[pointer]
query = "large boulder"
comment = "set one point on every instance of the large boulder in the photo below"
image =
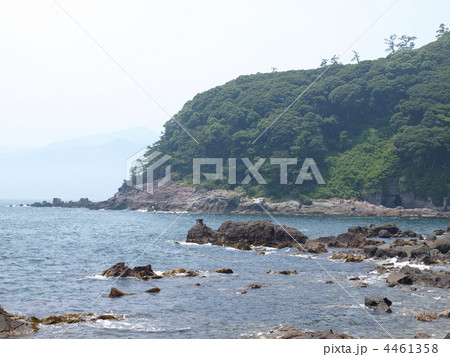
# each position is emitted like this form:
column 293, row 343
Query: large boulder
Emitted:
column 378, row 303
column 426, row 316
column 441, row 244
column 242, row 234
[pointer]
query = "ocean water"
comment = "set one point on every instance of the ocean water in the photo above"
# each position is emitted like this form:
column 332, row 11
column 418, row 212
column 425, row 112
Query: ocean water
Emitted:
column 51, row 259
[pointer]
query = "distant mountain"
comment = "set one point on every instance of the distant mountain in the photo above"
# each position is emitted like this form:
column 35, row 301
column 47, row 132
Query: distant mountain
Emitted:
column 92, row 166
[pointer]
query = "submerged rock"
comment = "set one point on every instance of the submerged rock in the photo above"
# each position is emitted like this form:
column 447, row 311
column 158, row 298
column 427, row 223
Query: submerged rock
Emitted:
column 421, row 335
column 153, row 290
column 224, row 271
column 282, row 272
column 67, row 318
column 114, row 293
column 253, row 286
column 378, row 303
column 291, row 332
column 445, row 313
column 241, row 235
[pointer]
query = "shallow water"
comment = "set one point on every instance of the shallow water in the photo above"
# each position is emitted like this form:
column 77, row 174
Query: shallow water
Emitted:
column 51, row 258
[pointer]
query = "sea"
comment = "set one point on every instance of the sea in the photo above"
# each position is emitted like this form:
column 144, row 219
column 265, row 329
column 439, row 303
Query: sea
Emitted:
column 52, row 259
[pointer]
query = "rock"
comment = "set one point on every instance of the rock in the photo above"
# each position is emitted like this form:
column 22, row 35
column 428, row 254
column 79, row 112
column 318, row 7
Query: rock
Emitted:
column 175, row 272
column 260, row 232
column 242, row 292
column 447, row 336
column 253, row 286
column 349, row 257
column 441, row 244
column 409, row 233
column 421, row 335
column 426, row 277
column 378, row 303
column 261, row 253
column 153, row 290
column 312, row 246
column 398, row 278
column 224, row 271
column 122, row 271
column 384, row 234
column 430, row 237
column 438, row 232
column 114, row 293
column 445, row 313
column 282, row 272
column 13, row 326
column 67, row 318
column 329, row 282
column 242, row 246
column 198, row 284
column 390, row 227
column 290, row 332
column 426, row 316
column 331, row 241
column 106, row 317
column 361, row 285
column 354, row 278
column 357, row 242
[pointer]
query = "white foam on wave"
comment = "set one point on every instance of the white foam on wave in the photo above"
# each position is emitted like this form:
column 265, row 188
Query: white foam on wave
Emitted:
column 140, row 325
column 195, row 244
column 93, row 277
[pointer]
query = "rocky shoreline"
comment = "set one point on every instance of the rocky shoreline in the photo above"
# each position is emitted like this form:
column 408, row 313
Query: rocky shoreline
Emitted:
column 354, row 246
column 181, row 198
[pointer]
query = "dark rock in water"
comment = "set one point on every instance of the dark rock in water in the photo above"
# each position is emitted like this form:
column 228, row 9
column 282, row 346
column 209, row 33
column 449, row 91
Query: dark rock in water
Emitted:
column 282, row 272
column 329, row 282
column 224, row 271
column 384, row 234
column 114, row 293
column 11, row 325
column 409, row 233
column 121, row 270
column 445, row 313
column 438, row 232
column 447, row 336
column 426, row 316
column 67, row 318
column 398, row 278
column 312, row 246
column 390, row 227
column 442, row 245
column 422, row 335
column 361, row 285
column 291, row 332
column 153, row 290
column 244, row 234
column 426, row 277
column 253, row 286
column 378, row 303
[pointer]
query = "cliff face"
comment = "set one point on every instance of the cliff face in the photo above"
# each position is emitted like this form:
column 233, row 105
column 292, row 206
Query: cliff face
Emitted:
column 391, row 196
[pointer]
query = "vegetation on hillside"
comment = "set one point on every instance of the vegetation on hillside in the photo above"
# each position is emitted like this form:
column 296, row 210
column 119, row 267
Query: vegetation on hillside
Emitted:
column 362, row 123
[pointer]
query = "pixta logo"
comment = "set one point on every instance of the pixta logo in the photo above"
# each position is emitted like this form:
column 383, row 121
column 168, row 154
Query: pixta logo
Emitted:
column 140, row 165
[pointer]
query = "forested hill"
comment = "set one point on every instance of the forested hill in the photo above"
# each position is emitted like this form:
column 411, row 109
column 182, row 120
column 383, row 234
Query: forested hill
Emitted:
column 378, row 129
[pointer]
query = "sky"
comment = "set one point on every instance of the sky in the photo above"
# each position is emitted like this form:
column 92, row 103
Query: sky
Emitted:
column 74, row 68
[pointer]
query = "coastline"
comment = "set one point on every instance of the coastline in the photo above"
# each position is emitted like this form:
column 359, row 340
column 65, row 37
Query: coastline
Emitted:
column 175, row 197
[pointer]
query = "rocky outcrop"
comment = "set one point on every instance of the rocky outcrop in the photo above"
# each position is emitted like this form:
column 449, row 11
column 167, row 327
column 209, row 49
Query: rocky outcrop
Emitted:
column 13, row 326
column 378, row 303
column 224, row 271
column 408, row 275
column 256, row 233
column 291, row 332
column 122, row 271
column 178, row 197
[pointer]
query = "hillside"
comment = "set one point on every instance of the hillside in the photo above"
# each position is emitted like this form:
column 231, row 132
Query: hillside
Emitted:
column 378, row 130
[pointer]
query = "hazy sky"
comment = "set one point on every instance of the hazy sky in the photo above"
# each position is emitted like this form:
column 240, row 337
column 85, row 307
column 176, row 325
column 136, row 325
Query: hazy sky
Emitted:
column 56, row 83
